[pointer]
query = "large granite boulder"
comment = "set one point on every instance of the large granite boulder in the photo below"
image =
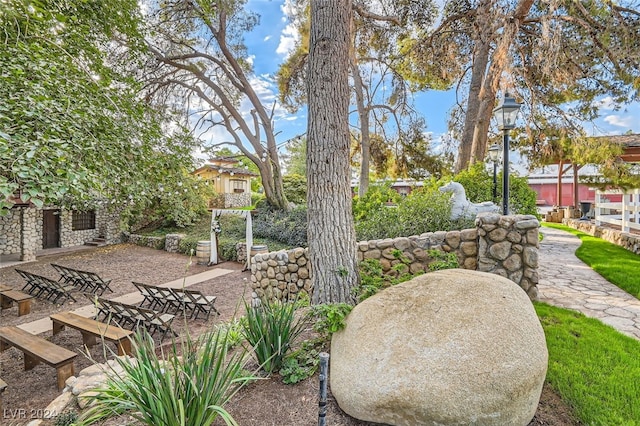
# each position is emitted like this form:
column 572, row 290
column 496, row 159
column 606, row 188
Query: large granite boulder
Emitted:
column 453, row 347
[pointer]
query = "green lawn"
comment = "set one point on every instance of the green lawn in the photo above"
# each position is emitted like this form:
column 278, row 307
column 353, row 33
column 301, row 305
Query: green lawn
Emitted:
column 616, row 264
column 594, row 368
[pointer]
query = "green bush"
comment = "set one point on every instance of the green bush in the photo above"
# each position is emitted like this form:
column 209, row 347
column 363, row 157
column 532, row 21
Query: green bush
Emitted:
column 270, row 329
column 375, row 198
column 424, row 210
column 189, row 387
column 330, row 318
column 295, row 188
column 478, row 184
column 289, row 227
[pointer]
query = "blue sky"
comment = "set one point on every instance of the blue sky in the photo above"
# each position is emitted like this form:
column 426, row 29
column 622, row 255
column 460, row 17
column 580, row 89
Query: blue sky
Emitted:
column 270, row 41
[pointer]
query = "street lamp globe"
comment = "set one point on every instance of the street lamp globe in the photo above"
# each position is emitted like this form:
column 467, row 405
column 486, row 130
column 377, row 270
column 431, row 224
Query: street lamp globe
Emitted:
column 505, row 113
column 494, row 152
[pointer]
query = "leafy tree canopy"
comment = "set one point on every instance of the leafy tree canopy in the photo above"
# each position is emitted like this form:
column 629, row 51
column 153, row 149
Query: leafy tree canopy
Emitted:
column 72, row 129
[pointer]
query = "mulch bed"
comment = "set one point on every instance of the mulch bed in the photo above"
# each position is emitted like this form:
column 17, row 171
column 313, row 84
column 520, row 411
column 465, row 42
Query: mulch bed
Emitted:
column 265, row 402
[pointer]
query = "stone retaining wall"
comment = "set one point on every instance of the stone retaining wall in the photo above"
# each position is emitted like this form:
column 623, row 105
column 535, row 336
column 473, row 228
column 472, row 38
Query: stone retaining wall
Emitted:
column 504, row 245
column 172, row 242
column 626, row 240
column 158, row 243
column 508, row 246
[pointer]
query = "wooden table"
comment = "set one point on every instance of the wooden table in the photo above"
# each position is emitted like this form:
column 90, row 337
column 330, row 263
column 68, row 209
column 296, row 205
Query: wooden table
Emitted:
column 92, row 329
column 24, row 301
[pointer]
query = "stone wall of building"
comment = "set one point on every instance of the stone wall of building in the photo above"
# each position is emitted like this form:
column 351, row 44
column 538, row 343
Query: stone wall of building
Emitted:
column 504, row 245
column 10, row 232
column 508, row 246
column 626, row 240
column 233, row 200
column 29, row 231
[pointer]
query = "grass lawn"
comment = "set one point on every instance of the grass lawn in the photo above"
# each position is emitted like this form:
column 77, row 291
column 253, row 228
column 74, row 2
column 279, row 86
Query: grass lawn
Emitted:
column 594, row 368
column 616, row 264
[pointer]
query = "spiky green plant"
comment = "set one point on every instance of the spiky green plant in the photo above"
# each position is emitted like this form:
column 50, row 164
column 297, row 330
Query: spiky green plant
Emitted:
column 187, row 387
column 270, row 329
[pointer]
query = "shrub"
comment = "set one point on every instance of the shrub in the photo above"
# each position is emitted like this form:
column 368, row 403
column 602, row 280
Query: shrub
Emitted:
column 288, row 227
column 295, row 188
column 189, row 387
column 424, row 210
column 270, row 329
column 375, row 198
column 478, row 184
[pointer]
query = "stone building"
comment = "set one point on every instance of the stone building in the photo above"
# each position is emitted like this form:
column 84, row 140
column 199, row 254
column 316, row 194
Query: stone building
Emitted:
column 26, row 229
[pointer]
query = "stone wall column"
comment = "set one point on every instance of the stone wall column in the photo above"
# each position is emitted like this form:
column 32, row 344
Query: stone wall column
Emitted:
column 508, row 246
column 28, row 234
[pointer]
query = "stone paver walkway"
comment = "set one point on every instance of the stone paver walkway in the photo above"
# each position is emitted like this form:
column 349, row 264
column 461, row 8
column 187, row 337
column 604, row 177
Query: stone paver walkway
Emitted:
column 567, row 282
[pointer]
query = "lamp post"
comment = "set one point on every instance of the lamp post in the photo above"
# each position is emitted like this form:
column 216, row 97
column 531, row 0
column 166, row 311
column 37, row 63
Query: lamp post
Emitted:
column 494, row 150
column 505, row 114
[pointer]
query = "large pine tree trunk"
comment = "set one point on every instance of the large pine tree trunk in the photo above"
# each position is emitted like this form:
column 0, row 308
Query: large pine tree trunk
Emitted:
column 481, row 50
column 331, row 235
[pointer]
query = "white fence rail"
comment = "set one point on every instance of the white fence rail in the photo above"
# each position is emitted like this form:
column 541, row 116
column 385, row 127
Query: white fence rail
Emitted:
column 625, row 214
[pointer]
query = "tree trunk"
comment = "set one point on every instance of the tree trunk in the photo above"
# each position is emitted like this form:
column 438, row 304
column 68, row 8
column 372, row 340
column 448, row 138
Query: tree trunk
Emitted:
column 365, row 139
column 481, row 50
column 331, row 235
column 486, row 103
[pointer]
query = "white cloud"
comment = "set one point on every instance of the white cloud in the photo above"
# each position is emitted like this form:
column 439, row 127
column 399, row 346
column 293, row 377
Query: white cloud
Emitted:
column 619, row 121
column 288, row 39
column 251, row 59
column 606, row 104
column 267, row 38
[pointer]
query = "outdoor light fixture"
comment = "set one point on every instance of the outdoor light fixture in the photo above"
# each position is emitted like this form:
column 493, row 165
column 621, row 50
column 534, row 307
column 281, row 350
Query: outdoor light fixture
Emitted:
column 505, row 114
column 494, row 151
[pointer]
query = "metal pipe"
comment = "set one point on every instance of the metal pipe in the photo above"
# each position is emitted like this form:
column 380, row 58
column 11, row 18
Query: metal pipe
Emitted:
column 324, row 376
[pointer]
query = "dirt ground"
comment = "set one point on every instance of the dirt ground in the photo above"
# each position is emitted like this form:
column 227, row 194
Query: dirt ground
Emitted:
column 265, row 402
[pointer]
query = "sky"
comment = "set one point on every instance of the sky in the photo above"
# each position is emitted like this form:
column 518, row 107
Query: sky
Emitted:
column 271, row 41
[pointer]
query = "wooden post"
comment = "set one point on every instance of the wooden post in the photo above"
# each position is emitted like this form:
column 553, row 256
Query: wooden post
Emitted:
column 559, row 187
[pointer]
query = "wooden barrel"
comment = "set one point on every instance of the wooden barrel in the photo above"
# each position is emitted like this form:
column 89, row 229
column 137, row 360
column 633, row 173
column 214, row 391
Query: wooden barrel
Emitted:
column 203, row 252
column 261, row 249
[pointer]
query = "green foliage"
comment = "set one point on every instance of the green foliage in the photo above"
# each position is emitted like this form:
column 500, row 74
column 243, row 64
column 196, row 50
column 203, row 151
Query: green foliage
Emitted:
column 73, row 130
column 297, row 163
column 270, row 329
column 442, row 260
column 594, row 368
column 295, row 188
column 300, row 364
column 68, row 418
column 424, row 210
column 188, row 386
column 478, row 185
column 616, row 264
column 375, row 198
column 330, row 318
column 289, row 227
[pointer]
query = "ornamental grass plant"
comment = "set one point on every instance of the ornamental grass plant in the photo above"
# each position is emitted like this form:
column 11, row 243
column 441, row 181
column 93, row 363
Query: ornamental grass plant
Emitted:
column 270, row 329
column 188, row 386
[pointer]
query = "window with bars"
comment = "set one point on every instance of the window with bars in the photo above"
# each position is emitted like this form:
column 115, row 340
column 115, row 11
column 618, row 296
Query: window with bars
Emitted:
column 238, row 185
column 83, row 220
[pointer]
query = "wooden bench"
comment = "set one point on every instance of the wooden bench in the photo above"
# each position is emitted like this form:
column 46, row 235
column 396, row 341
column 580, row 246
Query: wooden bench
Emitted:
column 36, row 350
column 23, row 300
column 91, row 329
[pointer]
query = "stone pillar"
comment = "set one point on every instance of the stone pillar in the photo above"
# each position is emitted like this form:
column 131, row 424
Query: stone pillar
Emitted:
column 112, row 231
column 508, row 246
column 28, row 234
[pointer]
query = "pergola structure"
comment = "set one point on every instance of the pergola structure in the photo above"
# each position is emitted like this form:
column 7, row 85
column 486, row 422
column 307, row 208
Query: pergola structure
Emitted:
column 631, row 154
